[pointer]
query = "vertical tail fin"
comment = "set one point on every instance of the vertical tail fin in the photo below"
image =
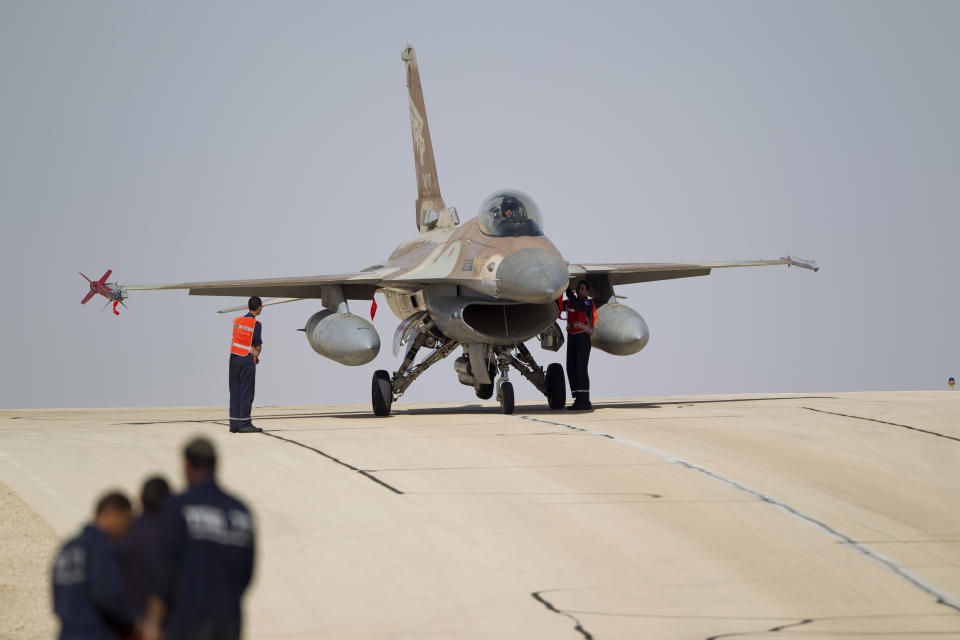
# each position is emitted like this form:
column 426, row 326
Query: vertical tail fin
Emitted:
column 428, row 187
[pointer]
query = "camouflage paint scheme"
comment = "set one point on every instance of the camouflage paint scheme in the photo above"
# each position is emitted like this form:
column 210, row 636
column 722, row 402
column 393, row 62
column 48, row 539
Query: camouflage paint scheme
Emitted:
column 425, row 258
column 454, row 285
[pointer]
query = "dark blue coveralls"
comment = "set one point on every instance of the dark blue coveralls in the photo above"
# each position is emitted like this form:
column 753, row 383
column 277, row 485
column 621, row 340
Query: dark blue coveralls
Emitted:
column 87, row 589
column 138, row 560
column 578, row 355
column 206, row 562
column 243, row 375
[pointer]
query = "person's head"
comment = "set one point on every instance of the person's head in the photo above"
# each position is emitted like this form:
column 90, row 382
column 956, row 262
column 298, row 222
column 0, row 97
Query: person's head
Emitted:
column 255, row 305
column 510, row 207
column 583, row 289
column 200, row 460
column 114, row 514
column 155, row 491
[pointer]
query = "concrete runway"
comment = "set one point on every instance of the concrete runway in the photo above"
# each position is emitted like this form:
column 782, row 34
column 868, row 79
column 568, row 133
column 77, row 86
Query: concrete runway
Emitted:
column 823, row 515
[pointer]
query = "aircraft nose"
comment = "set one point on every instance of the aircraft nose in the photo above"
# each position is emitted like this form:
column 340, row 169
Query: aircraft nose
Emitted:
column 532, row 275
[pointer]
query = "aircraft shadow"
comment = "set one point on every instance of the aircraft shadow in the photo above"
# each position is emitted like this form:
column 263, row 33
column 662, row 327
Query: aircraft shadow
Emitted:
column 479, row 409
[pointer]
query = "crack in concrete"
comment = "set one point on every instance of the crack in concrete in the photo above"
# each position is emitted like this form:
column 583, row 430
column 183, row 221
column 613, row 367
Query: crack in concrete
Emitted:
column 538, row 596
column 770, row 630
column 892, row 424
column 365, row 474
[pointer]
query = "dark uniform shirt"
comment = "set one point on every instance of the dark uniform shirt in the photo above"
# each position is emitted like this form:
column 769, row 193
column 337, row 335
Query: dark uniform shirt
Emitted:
column 257, row 328
column 580, row 305
column 87, row 589
column 578, row 352
column 138, row 560
column 206, row 557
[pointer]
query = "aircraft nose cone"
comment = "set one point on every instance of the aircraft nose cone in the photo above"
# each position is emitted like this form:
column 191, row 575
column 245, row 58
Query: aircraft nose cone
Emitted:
column 532, row 275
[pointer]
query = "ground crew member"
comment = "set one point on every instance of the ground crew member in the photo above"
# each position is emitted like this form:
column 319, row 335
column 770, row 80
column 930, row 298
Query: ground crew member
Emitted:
column 139, row 548
column 581, row 319
column 244, row 356
column 87, row 588
column 206, row 557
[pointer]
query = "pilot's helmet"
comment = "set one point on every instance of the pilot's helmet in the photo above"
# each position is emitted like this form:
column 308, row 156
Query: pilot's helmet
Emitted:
column 512, row 205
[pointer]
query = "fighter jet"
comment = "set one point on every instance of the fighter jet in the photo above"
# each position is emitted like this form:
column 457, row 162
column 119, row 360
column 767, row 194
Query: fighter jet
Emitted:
column 485, row 287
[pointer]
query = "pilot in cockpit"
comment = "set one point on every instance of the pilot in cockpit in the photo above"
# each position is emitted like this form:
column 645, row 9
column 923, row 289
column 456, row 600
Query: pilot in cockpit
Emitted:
column 512, row 209
column 508, row 215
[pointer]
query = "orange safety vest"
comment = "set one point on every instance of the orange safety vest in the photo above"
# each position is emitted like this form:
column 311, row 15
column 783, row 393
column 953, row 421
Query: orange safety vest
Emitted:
column 578, row 321
column 243, row 336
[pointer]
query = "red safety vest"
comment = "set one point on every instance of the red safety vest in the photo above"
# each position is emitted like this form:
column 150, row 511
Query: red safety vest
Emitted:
column 243, row 336
column 578, row 321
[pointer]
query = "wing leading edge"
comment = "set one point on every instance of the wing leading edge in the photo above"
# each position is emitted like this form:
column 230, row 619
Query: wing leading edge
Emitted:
column 360, row 285
column 634, row 272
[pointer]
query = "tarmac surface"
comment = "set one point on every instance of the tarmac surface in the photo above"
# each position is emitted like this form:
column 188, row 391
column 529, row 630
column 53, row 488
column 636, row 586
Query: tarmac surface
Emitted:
column 820, row 515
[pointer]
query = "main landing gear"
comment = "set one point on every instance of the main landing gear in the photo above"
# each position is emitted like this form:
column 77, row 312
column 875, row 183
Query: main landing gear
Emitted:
column 550, row 382
column 382, row 393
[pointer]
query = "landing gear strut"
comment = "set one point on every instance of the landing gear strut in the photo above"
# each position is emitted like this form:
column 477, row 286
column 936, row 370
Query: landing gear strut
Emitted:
column 388, row 388
column 385, row 389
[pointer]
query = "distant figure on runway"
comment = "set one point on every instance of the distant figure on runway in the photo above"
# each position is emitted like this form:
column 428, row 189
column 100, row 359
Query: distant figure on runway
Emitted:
column 87, row 587
column 244, row 357
column 206, row 557
column 581, row 318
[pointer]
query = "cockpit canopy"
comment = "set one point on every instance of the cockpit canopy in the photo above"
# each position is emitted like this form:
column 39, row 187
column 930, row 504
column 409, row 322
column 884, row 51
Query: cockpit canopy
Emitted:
column 510, row 213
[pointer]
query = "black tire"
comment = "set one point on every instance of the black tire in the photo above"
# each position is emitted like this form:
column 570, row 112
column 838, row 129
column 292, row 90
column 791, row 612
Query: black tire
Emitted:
column 485, row 391
column 556, row 387
column 506, row 398
column 382, row 393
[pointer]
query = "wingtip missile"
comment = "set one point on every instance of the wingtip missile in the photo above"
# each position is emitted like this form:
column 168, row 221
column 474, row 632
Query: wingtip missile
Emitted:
column 110, row 290
column 793, row 261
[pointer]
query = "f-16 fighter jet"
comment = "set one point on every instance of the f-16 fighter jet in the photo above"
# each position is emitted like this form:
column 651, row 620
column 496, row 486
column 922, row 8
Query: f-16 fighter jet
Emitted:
column 484, row 286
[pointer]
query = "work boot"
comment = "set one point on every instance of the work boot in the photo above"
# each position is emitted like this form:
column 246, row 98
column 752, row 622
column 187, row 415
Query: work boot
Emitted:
column 248, row 428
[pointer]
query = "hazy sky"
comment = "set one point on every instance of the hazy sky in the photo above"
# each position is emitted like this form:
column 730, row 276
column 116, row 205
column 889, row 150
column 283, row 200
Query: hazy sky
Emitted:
column 183, row 141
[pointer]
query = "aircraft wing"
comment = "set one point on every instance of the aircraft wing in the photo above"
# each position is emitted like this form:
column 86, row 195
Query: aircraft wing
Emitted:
column 360, row 285
column 268, row 302
column 632, row 272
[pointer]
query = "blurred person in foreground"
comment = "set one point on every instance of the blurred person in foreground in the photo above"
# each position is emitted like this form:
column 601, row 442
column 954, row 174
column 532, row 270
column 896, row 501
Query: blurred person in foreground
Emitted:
column 206, row 557
column 88, row 592
column 139, row 548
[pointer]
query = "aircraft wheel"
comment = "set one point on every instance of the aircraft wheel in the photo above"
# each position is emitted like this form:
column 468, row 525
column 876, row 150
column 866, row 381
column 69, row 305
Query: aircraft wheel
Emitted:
column 506, row 398
column 556, row 387
column 382, row 393
column 485, row 391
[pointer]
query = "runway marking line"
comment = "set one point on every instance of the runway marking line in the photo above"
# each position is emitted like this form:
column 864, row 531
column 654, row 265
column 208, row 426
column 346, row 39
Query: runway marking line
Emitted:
column 941, row 596
column 40, row 482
